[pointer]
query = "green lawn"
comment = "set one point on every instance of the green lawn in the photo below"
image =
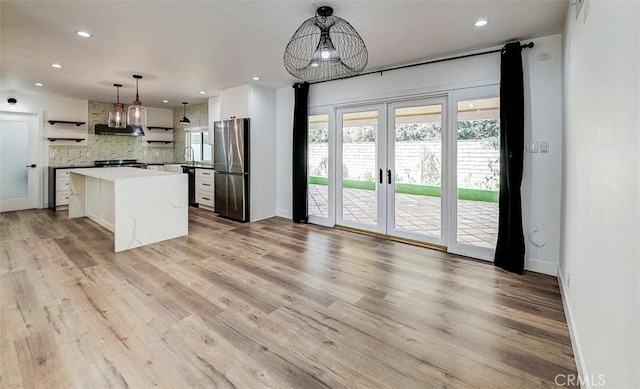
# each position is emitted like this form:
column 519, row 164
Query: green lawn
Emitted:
column 489, row 196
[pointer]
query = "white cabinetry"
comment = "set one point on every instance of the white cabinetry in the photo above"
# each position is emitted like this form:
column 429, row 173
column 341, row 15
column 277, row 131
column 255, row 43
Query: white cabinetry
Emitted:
column 62, row 187
column 262, row 152
column 205, row 188
column 236, row 102
column 214, row 115
column 258, row 103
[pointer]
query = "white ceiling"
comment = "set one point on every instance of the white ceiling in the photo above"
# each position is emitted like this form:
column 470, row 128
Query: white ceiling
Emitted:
column 182, row 47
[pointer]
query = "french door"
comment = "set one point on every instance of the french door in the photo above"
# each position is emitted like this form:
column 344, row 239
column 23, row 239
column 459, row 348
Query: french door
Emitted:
column 424, row 169
column 19, row 176
column 389, row 169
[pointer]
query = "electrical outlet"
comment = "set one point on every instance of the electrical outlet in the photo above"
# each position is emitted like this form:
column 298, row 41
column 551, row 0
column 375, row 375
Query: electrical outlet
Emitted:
column 157, row 153
column 531, row 147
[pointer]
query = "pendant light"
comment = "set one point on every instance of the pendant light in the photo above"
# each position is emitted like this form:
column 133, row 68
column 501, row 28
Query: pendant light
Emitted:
column 325, row 47
column 136, row 113
column 185, row 120
column 117, row 117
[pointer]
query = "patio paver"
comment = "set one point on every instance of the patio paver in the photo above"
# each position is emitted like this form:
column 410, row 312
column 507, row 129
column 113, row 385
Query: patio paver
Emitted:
column 477, row 220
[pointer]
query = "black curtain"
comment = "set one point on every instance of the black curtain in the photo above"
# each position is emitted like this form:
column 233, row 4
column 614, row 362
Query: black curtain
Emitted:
column 510, row 246
column 300, row 160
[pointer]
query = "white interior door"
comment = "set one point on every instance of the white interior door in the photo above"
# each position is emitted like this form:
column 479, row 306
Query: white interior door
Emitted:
column 19, row 173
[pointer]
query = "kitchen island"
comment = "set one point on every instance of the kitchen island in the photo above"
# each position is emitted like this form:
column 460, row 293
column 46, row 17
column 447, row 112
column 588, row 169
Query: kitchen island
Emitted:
column 139, row 206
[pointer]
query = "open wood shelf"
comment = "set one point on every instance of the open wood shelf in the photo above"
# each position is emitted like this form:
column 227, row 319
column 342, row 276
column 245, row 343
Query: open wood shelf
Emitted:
column 159, row 128
column 75, row 139
column 78, row 124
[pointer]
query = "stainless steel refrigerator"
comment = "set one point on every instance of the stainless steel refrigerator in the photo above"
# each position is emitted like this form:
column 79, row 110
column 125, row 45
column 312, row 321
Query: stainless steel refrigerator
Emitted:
column 231, row 164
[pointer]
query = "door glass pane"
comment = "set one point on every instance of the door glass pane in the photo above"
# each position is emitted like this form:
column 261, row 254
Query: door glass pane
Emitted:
column 14, row 144
column 418, row 169
column 318, row 165
column 478, row 175
column 359, row 191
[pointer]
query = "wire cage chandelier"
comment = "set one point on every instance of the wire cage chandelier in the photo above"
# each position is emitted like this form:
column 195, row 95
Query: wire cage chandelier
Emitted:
column 325, row 47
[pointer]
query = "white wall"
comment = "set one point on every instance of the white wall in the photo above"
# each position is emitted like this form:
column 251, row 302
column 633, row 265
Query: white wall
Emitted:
column 600, row 255
column 284, row 155
column 50, row 107
column 542, row 175
column 53, row 107
column 542, row 178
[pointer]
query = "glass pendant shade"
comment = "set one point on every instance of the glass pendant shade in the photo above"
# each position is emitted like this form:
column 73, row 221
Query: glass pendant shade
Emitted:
column 325, row 47
column 137, row 113
column 117, row 116
column 185, row 120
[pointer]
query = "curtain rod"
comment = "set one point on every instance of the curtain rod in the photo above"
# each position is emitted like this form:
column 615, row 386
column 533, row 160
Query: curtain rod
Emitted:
column 525, row 46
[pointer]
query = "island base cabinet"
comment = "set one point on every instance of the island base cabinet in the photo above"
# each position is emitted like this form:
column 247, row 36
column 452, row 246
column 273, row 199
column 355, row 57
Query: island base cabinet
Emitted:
column 138, row 208
column 101, row 202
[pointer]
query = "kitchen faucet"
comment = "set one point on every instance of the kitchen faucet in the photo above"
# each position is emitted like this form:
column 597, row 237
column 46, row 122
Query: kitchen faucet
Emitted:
column 188, row 154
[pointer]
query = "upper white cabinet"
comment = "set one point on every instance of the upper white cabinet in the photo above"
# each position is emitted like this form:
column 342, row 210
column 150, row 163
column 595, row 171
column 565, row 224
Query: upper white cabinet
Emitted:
column 236, row 102
column 214, row 115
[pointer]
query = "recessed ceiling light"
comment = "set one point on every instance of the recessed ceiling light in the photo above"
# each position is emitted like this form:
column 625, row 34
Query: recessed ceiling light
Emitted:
column 38, row 84
column 256, row 78
column 203, row 92
column 481, row 22
column 56, row 65
column 83, row 34
column 165, row 101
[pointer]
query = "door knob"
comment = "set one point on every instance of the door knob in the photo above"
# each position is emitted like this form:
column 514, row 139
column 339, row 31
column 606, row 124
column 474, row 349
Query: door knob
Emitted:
column 32, row 165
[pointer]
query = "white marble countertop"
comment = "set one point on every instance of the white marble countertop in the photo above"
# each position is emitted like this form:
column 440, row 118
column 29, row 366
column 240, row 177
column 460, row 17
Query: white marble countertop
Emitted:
column 120, row 173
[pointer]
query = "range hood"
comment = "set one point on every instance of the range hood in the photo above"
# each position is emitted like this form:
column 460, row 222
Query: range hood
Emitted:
column 103, row 129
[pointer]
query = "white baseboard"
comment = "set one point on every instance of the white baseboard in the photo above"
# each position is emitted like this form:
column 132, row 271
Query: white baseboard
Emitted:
column 285, row 214
column 575, row 342
column 539, row 266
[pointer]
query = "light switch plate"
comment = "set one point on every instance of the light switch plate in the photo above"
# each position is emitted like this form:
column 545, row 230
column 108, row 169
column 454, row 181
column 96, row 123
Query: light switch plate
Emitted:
column 544, row 146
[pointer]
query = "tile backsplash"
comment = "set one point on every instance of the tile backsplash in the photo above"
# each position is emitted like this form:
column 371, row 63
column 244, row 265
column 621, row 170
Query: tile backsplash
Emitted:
column 107, row 146
column 198, row 114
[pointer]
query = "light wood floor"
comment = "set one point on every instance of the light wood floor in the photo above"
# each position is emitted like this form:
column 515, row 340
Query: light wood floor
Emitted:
column 267, row 304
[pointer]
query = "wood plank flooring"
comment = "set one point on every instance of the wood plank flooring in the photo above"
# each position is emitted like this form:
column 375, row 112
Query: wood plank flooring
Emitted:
column 266, row 304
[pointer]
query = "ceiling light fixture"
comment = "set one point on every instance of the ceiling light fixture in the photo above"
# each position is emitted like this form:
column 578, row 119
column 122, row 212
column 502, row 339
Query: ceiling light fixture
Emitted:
column 165, row 101
column 83, row 34
column 56, row 65
column 38, row 84
column 202, row 92
column 185, row 120
column 325, row 47
column 481, row 23
column 137, row 113
column 256, row 78
column 117, row 118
